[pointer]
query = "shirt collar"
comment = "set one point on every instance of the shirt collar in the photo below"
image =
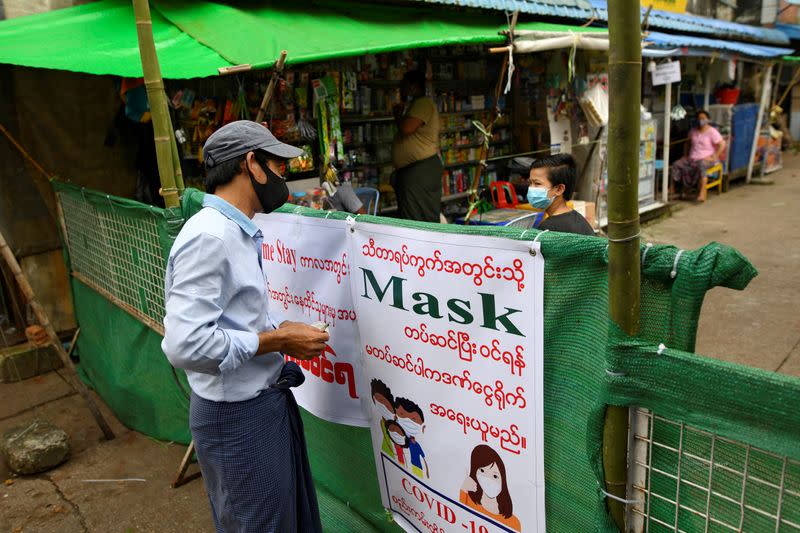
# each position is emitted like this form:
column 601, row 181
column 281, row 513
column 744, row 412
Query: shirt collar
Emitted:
column 215, row 202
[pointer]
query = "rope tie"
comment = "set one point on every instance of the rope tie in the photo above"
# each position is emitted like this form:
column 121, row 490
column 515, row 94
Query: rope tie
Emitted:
column 511, row 69
column 646, row 249
column 487, row 139
column 626, row 239
column 572, row 53
column 674, row 272
column 621, row 500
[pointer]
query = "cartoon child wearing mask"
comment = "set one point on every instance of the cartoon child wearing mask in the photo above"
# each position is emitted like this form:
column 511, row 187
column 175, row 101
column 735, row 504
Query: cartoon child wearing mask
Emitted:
column 384, row 408
column 485, row 489
column 412, row 420
column 398, row 437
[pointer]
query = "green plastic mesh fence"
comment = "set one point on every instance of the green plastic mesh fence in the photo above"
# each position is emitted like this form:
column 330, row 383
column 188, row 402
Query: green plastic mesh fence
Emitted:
column 588, row 364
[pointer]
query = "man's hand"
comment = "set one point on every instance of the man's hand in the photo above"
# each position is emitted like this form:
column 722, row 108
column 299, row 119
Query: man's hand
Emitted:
column 295, row 340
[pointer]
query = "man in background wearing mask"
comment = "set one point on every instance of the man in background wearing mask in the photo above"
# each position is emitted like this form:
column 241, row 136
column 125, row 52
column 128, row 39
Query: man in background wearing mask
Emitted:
column 705, row 149
column 219, row 328
column 551, row 184
column 417, row 180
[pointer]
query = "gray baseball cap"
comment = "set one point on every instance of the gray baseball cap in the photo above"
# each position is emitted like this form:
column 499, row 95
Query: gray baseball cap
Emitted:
column 240, row 137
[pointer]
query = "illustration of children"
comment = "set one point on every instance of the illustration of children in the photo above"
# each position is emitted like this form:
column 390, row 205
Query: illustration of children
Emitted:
column 485, row 489
column 384, row 408
column 399, row 440
column 412, row 420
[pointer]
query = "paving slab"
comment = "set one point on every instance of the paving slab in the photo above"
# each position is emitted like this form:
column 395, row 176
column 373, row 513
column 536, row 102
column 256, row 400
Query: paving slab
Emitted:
column 25, row 395
column 150, row 505
column 36, row 504
column 70, row 414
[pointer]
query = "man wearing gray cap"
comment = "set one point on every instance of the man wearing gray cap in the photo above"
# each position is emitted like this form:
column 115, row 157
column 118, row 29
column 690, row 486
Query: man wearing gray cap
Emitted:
column 220, row 329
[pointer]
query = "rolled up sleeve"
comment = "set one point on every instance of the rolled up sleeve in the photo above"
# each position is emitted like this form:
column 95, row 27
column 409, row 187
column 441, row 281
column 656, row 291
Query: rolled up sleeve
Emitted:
column 195, row 297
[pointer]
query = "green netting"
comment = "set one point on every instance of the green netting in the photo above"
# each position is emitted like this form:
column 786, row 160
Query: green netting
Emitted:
column 748, row 414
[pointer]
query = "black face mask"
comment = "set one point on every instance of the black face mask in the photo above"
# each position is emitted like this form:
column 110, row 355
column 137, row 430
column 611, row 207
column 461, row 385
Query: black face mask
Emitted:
column 272, row 194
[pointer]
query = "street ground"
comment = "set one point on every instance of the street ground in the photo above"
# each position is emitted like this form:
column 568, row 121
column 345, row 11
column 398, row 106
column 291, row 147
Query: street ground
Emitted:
column 759, row 326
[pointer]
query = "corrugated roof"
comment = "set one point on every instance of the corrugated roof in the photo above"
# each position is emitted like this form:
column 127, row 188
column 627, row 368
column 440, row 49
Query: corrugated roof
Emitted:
column 666, row 40
column 792, row 31
column 696, row 24
column 578, row 9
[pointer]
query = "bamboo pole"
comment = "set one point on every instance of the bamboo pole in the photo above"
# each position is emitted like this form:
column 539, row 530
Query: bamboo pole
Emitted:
column 176, row 160
column 162, row 125
column 763, row 103
column 776, row 87
column 667, row 140
column 624, row 73
column 473, row 199
column 273, row 81
column 43, row 186
column 44, row 321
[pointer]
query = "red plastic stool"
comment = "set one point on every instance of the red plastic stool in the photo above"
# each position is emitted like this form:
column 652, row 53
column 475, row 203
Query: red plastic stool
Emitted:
column 501, row 192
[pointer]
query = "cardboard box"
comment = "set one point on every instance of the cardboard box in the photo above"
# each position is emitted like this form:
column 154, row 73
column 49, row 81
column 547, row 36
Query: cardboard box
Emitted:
column 587, row 211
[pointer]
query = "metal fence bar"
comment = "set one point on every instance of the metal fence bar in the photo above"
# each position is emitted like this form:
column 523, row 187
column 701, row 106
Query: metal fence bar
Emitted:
column 678, row 487
column 780, row 494
column 660, row 444
column 117, row 255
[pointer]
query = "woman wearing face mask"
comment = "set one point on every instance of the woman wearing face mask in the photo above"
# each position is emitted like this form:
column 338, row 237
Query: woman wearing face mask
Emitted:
column 485, row 489
column 551, row 184
column 706, row 148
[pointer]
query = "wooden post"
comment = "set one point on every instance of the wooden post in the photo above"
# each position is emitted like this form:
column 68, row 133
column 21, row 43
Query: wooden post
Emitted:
column 157, row 98
column 624, row 98
column 765, row 82
column 667, row 140
column 777, row 86
column 273, row 81
column 44, row 321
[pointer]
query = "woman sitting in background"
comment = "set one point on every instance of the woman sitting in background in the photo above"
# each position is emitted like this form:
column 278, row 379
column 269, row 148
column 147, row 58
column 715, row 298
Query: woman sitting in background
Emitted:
column 706, row 149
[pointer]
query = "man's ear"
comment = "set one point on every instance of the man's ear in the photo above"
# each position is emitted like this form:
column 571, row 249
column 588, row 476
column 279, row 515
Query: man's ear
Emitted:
column 560, row 189
column 249, row 159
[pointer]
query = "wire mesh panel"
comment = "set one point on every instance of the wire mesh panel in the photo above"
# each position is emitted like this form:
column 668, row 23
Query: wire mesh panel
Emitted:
column 119, row 256
column 685, row 479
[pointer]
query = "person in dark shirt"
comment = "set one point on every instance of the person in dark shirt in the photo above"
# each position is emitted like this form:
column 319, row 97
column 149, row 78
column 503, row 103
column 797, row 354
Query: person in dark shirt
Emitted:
column 551, row 183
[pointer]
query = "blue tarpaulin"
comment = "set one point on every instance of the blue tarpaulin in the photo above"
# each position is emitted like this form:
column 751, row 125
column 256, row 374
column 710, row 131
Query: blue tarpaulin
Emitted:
column 700, row 46
column 681, row 22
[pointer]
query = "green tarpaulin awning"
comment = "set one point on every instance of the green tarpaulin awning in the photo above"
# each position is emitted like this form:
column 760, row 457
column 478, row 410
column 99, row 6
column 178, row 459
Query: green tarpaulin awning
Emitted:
column 194, row 39
column 100, row 38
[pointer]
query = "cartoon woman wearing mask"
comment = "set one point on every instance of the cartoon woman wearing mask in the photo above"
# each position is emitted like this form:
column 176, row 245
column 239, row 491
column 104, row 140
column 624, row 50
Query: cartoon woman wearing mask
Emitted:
column 485, row 489
column 384, row 408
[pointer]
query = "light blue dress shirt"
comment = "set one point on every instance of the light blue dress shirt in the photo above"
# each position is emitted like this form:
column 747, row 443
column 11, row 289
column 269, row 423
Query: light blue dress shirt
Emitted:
column 216, row 304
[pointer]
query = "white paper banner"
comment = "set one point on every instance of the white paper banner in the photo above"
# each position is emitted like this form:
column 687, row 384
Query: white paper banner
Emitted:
column 451, row 331
column 308, row 280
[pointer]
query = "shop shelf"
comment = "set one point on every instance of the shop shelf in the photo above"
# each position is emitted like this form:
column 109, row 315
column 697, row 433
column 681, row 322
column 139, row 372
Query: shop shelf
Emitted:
column 462, row 164
column 456, row 196
column 355, row 119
